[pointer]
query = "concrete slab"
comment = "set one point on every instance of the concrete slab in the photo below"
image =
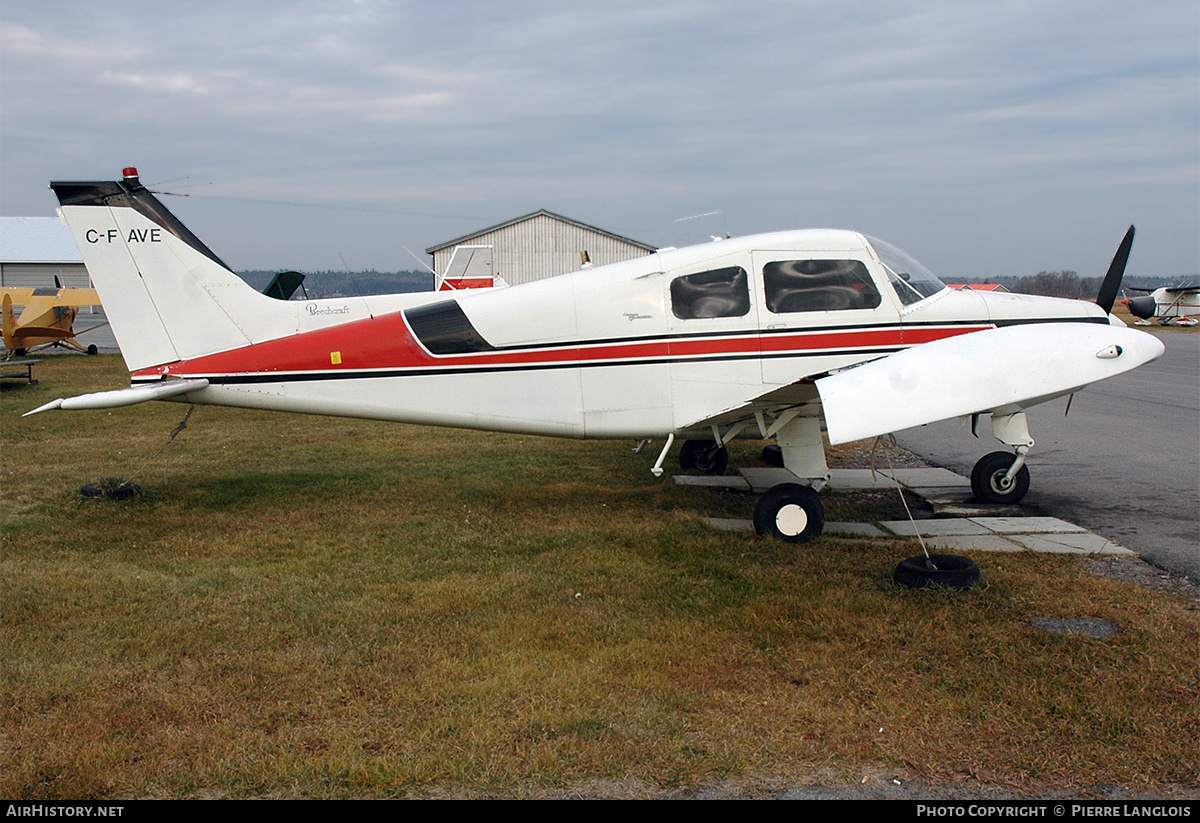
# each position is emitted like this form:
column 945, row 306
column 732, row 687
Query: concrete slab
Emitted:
column 855, row 529
column 712, row 481
column 932, row 481
column 972, row 543
column 972, row 509
column 929, row 528
column 961, row 523
column 762, row 479
column 1026, row 525
column 950, row 494
column 1074, row 543
column 859, row 479
column 926, row 478
column 728, row 524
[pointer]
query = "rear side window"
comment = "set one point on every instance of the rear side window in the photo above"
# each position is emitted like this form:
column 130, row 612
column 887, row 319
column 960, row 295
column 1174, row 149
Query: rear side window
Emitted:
column 716, row 293
column 818, row 285
column 444, row 329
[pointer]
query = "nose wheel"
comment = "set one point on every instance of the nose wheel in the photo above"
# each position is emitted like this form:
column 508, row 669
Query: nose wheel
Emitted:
column 790, row 512
column 991, row 483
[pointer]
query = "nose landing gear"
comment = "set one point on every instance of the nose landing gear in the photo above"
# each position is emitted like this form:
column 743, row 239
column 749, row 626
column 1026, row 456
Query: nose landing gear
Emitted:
column 991, row 482
column 1001, row 477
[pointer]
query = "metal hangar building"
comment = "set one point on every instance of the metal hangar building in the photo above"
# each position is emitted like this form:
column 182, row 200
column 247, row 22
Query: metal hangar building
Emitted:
column 33, row 250
column 540, row 245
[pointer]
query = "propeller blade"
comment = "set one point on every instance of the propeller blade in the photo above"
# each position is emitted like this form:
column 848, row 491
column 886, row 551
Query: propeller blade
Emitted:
column 1112, row 280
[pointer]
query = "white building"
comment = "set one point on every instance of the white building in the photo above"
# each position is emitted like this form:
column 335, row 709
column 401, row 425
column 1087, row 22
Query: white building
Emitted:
column 33, row 250
column 540, row 245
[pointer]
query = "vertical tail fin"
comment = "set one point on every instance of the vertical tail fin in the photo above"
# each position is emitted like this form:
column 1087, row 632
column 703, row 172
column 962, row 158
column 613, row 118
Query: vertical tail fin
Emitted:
column 166, row 294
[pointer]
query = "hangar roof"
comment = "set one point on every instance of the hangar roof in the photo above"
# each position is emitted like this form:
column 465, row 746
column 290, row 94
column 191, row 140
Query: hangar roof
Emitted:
column 36, row 240
column 539, row 213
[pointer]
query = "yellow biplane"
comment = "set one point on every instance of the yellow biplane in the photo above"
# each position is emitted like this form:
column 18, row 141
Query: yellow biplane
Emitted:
column 47, row 318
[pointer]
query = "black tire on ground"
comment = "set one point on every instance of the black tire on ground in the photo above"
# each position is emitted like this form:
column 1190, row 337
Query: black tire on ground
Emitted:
column 988, row 473
column 703, row 456
column 92, row 349
column 790, row 512
column 122, row 492
column 951, row 570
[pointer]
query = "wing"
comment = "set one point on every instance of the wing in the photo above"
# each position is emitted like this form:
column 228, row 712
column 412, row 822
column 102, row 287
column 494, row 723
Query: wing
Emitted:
column 78, row 297
column 18, row 296
column 765, row 414
column 61, row 297
column 1000, row 370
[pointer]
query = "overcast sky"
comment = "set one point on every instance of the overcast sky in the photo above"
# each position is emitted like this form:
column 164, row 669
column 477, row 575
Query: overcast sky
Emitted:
column 986, row 139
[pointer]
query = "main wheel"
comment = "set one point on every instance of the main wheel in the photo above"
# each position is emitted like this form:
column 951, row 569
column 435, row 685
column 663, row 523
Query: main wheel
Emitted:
column 93, row 349
column 951, row 570
column 790, row 512
column 987, row 479
column 703, row 456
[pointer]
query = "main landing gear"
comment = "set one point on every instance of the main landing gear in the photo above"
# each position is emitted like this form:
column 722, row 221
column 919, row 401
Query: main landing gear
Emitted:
column 790, row 512
column 703, row 456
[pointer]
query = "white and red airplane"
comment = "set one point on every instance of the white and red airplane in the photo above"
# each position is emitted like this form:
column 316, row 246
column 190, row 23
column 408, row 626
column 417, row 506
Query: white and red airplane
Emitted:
column 1180, row 304
column 763, row 336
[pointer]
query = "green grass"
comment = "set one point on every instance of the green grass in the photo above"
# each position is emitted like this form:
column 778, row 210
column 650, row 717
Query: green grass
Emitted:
column 328, row 608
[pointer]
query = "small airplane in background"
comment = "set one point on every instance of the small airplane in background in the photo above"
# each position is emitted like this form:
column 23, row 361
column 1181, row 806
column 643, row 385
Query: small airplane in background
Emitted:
column 770, row 336
column 1178, row 304
column 470, row 267
column 48, row 317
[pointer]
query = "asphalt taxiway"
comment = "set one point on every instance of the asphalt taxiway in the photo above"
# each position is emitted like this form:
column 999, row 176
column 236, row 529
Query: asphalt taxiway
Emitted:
column 1124, row 464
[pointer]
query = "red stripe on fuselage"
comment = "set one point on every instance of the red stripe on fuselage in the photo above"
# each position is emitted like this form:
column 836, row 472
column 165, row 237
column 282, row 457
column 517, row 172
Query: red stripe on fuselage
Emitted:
column 385, row 343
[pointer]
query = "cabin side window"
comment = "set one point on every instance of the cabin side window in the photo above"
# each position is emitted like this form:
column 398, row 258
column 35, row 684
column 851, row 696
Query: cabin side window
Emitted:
column 818, row 285
column 717, row 293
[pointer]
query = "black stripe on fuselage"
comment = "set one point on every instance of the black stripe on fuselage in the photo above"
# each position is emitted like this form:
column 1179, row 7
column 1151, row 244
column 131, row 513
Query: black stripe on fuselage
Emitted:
column 289, row 377
column 799, row 330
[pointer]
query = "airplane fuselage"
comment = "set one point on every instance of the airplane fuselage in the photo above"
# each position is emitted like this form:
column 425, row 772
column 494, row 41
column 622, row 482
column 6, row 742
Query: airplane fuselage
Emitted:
column 635, row 349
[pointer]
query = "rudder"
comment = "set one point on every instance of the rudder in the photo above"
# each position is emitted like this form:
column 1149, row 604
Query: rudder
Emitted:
column 166, row 294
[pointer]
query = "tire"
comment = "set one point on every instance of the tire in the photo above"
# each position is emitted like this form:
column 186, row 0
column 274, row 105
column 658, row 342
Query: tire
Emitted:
column 950, row 570
column 987, row 474
column 791, row 513
column 124, row 491
column 772, row 455
column 93, row 349
column 703, row 456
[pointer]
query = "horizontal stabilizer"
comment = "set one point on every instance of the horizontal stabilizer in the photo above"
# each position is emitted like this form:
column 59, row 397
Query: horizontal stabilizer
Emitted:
column 1005, row 370
column 123, row 397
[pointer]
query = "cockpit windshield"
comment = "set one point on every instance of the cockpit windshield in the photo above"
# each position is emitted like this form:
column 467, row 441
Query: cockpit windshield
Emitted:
column 912, row 281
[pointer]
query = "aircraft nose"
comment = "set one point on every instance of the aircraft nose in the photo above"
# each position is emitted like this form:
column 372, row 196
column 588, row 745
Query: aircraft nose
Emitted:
column 1143, row 347
column 1143, row 307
